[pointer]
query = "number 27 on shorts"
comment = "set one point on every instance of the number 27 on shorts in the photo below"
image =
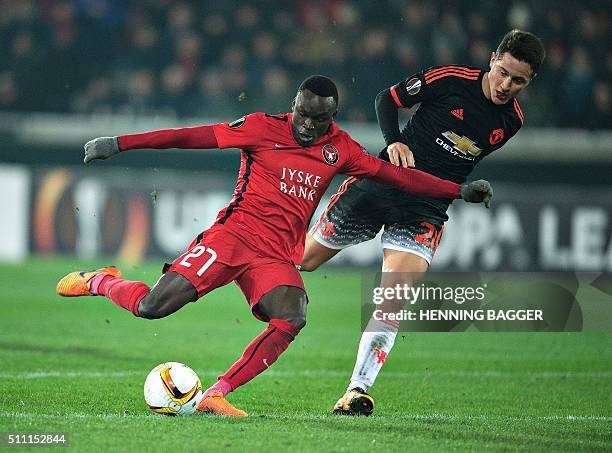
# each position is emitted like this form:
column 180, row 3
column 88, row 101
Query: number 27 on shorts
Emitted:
column 197, row 252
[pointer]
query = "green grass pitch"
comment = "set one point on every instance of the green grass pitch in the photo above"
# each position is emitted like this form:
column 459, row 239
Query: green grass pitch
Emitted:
column 78, row 365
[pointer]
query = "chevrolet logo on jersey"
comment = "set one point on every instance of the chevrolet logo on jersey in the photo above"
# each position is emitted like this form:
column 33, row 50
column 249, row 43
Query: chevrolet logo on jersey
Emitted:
column 461, row 144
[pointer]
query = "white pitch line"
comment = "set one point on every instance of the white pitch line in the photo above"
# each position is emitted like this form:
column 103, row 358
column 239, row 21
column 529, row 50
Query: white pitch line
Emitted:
column 42, row 374
column 417, row 417
column 489, row 418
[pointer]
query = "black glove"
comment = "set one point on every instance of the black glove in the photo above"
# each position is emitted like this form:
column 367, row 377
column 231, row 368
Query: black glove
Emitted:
column 477, row 192
column 101, row 148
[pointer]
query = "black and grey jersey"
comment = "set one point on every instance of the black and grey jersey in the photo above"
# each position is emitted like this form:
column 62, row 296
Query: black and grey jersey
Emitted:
column 454, row 127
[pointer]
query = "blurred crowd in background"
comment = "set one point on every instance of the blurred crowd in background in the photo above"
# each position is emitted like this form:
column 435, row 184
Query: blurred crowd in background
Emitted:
column 225, row 58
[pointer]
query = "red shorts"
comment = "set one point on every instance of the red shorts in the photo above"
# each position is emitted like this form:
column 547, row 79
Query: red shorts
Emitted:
column 219, row 257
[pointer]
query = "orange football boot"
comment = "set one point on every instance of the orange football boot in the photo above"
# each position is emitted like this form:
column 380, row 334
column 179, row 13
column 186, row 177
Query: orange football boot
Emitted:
column 355, row 402
column 78, row 283
column 215, row 403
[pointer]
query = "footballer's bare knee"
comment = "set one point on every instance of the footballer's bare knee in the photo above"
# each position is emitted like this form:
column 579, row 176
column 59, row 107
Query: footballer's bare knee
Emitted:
column 288, row 303
column 310, row 264
column 148, row 310
column 169, row 294
column 403, row 269
column 315, row 254
column 297, row 320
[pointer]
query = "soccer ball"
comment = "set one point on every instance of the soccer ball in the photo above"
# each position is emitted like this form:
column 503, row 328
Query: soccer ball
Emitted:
column 172, row 388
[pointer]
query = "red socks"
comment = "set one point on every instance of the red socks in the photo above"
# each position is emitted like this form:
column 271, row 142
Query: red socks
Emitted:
column 220, row 386
column 125, row 293
column 258, row 356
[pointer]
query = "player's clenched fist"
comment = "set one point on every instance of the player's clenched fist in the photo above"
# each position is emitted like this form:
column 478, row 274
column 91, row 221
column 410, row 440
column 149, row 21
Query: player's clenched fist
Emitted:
column 477, row 192
column 400, row 154
column 101, row 148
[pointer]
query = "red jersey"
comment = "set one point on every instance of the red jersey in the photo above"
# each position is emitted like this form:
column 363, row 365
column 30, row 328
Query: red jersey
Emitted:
column 280, row 182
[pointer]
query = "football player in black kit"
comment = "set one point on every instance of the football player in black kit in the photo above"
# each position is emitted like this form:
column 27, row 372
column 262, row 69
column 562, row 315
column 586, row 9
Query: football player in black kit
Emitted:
column 464, row 115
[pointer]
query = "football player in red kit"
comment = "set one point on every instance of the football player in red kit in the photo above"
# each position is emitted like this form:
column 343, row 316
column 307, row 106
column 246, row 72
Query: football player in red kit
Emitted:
column 287, row 163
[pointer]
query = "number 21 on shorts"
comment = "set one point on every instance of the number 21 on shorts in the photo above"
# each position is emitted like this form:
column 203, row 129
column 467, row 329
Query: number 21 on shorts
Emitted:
column 197, row 252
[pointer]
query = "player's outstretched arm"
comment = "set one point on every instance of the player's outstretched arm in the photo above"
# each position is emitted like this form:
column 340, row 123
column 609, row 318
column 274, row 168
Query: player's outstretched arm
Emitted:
column 421, row 183
column 197, row 137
